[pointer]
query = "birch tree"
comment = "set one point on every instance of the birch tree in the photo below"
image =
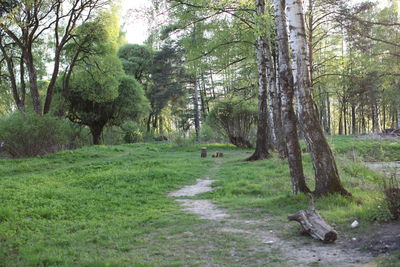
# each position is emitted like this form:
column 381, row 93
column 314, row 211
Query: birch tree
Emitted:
column 327, row 179
column 261, row 151
column 287, row 92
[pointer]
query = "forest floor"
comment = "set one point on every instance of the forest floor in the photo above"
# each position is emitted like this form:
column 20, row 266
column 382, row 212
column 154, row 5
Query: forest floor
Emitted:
column 155, row 204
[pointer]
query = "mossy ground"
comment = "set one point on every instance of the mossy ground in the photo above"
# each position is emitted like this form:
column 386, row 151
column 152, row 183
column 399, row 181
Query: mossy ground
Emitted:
column 108, row 205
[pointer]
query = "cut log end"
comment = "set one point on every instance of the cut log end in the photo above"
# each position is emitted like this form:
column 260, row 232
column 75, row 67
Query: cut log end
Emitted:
column 313, row 224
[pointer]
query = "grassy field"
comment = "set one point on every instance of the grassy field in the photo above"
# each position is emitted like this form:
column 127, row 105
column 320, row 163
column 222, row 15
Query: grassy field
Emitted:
column 108, row 206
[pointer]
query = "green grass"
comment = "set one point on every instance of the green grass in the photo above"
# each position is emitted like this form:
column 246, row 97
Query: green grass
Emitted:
column 108, row 206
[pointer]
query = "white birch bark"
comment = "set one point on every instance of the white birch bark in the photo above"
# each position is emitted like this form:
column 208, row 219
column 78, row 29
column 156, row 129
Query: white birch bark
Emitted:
column 326, row 173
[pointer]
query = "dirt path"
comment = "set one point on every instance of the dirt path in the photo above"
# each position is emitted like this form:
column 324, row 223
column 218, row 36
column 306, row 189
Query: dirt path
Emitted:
column 298, row 251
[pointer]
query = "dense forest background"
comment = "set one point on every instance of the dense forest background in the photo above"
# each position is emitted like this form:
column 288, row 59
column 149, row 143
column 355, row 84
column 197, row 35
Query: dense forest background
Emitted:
column 69, row 65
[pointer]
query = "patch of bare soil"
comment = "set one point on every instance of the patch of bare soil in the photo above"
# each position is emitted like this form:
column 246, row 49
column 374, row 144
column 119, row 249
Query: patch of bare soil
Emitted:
column 205, row 209
column 385, row 238
column 297, row 251
column 202, row 186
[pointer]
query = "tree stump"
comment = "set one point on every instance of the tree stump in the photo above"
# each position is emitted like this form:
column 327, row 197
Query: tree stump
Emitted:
column 313, row 224
column 203, row 152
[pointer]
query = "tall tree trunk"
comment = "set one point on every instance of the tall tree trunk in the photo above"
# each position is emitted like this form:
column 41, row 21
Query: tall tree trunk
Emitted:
column 261, row 151
column 383, row 125
column 52, row 83
column 96, row 131
column 398, row 119
column 328, row 103
column 393, row 119
column 353, row 120
column 345, row 118
column 326, row 173
column 149, row 122
column 363, row 124
column 375, row 118
column 323, row 111
column 33, row 85
column 340, row 126
column 287, row 93
column 196, row 108
column 275, row 96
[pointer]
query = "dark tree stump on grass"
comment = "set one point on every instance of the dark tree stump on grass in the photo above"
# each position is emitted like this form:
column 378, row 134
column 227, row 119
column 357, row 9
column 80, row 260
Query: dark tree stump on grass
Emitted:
column 313, row 224
column 203, row 153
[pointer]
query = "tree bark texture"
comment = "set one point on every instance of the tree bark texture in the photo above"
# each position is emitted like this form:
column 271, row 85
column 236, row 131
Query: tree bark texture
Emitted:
column 326, row 173
column 261, row 151
column 275, row 99
column 287, row 92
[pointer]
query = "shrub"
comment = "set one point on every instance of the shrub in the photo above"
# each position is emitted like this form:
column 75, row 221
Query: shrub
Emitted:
column 112, row 135
column 234, row 118
column 180, row 139
column 133, row 132
column 78, row 135
column 209, row 135
column 28, row 135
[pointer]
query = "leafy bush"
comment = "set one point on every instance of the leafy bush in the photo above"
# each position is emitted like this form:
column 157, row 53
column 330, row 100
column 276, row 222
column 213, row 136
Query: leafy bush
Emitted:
column 112, row 135
column 180, row 139
column 234, row 118
column 209, row 135
column 28, row 135
column 77, row 135
column 133, row 132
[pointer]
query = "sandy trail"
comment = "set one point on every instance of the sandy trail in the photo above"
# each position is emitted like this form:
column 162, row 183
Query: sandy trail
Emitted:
column 296, row 252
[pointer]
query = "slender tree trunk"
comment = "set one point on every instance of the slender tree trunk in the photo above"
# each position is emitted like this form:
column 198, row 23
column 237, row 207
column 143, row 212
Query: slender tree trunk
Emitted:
column 287, row 93
column 383, row 126
column 328, row 103
column 375, row 118
column 393, row 119
column 340, row 126
column 363, row 124
column 149, row 122
column 33, row 85
column 345, row 118
column 261, row 151
column 353, row 120
column 398, row 118
column 324, row 119
column 52, row 83
column 326, row 173
column 196, row 108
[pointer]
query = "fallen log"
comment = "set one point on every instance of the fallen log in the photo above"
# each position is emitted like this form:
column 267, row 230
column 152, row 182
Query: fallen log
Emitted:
column 313, row 224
